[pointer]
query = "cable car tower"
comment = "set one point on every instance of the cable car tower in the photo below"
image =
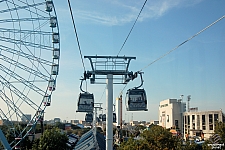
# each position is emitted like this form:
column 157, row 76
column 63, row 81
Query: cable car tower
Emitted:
column 109, row 66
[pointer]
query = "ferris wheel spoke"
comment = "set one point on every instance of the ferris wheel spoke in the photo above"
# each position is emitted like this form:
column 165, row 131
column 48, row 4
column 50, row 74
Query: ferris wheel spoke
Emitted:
column 29, row 63
column 17, row 92
column 22, row 80
column 25, row 68
column 25, row 55
column 21, row 7
column 25, row 43
column 26, row 32
column 12, row 106
column 24, row 20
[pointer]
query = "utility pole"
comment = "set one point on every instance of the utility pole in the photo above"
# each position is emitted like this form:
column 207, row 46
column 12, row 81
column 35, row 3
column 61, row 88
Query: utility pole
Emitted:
column 121, row 118
column 109, row 66
column 121, row 115
column 182, row 119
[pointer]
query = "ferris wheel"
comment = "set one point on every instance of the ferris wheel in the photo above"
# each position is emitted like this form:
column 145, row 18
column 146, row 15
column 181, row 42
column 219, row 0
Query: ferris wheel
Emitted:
column 29, row 64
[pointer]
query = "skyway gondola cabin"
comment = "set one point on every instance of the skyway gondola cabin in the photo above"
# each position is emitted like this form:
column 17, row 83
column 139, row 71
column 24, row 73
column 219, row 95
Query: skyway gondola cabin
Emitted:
column 114, row 117
column 136, row 100
column 89, row 117
column 85, row 102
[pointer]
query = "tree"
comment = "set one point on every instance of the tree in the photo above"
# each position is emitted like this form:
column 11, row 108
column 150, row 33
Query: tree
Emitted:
column 53, row 139
column 157, row 138
column 160, row 138
column 220, row 130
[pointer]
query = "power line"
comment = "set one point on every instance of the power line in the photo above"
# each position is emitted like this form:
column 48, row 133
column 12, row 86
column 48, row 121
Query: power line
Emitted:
column 132, row 27
column 184, row 42
column 181, row 44
column 78, row 43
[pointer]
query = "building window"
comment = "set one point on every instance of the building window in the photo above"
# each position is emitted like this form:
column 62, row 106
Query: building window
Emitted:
column 167, row 118
column 203, row 127
column 210, row 119
column 216, row 118
column 211, row 127
column 188, row 119
column 203, row 119
column 198, row 122
column 193, row 118
column 203, row 122
column 176, row 124
column 193, row 122
column 210, row 122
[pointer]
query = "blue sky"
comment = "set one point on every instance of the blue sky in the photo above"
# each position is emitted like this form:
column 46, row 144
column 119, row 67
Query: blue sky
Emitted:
column 196, row 68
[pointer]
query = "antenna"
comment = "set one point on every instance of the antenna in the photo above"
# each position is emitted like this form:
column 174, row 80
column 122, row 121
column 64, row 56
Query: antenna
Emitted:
column 188, row 99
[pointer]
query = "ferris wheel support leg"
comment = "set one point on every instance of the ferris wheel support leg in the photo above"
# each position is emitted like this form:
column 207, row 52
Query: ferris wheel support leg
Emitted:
column 4, row 141
column 109, row 112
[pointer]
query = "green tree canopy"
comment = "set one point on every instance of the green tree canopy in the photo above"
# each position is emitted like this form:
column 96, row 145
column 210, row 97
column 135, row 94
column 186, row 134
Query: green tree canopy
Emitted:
column 51, row 140
column 157, row 138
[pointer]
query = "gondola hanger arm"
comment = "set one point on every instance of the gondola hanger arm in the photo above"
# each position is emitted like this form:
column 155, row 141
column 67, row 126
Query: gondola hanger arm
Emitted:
column 135, row 76
column 81, row 85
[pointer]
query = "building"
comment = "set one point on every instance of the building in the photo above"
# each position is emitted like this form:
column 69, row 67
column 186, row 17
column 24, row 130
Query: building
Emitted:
column 26, row 118
column 75, row 122
column 170, row 113
column 201, row 123
column 155, row 122
column 57, row 120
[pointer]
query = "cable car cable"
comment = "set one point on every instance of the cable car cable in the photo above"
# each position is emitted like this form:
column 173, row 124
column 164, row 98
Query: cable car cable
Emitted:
column 184, row 42
column 181, row 44
column 74, row 26
column 132, row 28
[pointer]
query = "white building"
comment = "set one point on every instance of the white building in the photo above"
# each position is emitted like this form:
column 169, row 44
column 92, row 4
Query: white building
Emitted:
column 170, row 113
column 196, row 123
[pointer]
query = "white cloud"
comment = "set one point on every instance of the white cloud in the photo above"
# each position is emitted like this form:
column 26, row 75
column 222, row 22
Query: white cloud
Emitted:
column 119, row 13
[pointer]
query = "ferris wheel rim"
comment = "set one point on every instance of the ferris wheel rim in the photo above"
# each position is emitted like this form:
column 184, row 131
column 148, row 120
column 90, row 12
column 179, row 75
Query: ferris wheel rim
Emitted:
column 18, row 54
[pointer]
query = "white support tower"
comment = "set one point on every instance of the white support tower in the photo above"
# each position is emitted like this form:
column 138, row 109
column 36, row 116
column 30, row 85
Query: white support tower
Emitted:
column 109, row 66
column 118, row 111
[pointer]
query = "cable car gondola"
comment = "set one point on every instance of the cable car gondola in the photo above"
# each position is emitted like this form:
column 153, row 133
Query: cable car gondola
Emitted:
column 85, row 101
column 104, row 117
column 114, row 117
column 136, row 98
column 89, row 117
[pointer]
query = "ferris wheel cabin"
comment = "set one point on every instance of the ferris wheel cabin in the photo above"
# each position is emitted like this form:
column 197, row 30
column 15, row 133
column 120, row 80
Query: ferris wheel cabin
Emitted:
column 55, row 69
column 55, row 38
column 85, row 102
column 49, row 6
column 56, row 53
column 51, row 85
column 40, row 115
column 136, row 100
column 53, row 22
column 47, row 100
